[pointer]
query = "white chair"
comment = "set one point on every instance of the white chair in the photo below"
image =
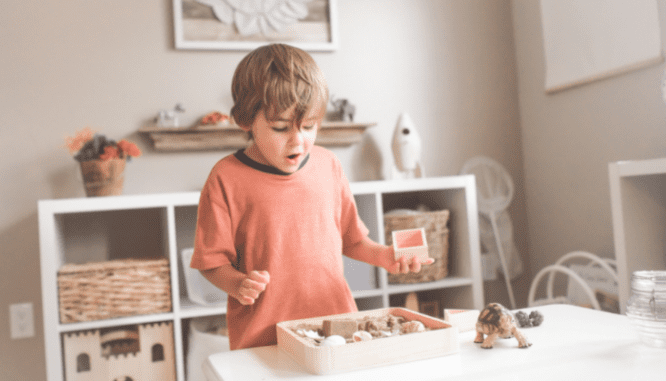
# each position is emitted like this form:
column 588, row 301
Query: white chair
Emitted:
column 560, row 267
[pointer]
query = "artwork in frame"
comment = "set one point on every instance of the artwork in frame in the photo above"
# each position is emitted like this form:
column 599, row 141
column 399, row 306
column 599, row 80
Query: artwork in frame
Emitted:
column 244, row 25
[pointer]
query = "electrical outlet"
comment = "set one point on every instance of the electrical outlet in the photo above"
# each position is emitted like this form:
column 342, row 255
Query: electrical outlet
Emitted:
column 21, row 321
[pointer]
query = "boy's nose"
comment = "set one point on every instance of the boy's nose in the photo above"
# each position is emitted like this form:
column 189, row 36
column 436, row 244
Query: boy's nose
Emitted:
column 297, row 136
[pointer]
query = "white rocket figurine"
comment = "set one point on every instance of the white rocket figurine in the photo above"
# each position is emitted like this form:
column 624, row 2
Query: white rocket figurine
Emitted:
column 407, row 149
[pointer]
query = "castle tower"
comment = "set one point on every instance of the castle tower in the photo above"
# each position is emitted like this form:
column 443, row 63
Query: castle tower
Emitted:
column 83, row 356
column 157, row 351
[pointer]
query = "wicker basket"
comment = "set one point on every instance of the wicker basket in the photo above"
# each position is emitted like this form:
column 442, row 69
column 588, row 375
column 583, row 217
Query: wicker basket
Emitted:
column 437, row 235
column 105, row 290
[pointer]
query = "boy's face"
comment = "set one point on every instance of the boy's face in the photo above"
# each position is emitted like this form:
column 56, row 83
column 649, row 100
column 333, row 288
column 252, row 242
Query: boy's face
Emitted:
column 282, row 143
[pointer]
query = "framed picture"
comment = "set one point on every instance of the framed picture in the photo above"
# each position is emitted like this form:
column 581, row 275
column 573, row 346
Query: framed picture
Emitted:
column 245, row 25
column 586, row 41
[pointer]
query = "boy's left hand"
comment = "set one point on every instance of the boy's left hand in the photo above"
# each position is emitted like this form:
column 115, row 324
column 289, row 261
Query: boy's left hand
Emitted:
column 404, row 265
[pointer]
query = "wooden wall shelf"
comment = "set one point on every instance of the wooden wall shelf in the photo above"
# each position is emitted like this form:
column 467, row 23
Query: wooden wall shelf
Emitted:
column 231, row 136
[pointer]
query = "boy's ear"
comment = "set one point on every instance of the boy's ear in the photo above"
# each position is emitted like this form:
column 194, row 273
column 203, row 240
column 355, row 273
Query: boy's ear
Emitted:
column 245, row 128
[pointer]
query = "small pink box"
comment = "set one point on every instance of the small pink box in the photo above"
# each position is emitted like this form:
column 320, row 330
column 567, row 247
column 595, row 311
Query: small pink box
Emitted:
column 410, row 243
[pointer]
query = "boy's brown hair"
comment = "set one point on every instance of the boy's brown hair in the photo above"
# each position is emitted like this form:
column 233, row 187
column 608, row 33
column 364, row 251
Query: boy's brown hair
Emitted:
column 273, row 78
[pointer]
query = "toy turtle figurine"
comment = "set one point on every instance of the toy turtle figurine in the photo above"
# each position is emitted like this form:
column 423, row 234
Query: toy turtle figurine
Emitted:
column 497, row 321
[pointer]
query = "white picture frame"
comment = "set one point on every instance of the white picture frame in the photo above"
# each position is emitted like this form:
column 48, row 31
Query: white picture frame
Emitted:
column 198, row 26
column 586, row 41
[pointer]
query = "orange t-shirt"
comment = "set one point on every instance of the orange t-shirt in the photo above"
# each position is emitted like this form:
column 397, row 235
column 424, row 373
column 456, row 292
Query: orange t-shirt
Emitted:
column 293, row 226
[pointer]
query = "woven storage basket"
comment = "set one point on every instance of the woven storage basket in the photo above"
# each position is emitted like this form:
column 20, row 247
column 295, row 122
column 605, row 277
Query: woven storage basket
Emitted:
column 105, row 290
column 437, row 235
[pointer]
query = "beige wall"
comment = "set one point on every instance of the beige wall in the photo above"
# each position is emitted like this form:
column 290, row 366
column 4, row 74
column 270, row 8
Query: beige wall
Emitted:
column 112, row 66
column 570, row 137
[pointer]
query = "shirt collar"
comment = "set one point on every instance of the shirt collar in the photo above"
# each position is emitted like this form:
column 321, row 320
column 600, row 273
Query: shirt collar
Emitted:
column 240, row 155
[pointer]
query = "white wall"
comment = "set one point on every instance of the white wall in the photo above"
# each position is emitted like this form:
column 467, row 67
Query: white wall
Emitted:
column 112, row 66
column 569, row 138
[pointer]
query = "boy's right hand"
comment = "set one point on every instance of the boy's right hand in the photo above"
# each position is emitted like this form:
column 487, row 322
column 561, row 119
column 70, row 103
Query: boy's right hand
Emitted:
column 252, row 286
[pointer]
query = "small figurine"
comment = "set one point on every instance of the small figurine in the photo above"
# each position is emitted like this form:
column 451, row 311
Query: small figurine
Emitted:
column 497, row 321
column 522, row 319
column 168, row 118
column 406, row 150
column 342, row 110
column 534, row 319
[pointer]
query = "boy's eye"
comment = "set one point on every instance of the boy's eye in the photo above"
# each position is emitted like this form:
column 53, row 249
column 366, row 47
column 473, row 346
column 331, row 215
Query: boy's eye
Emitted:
column 285, row 128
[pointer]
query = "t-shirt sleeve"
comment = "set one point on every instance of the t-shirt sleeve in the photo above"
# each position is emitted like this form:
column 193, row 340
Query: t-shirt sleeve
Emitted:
column 353, row 228
column 213, row 239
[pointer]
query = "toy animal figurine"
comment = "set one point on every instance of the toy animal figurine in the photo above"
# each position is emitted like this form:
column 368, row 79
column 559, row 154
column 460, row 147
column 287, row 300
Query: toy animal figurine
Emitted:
column 343, row 110
column 534, row 319
column 497, row 321
column 168, row 118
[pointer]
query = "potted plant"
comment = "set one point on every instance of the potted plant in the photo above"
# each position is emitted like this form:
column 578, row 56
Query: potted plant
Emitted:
column 102, row 161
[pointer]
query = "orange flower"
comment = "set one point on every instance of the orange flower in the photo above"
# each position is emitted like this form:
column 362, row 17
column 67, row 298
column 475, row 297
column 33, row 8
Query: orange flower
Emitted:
column 129, row 148
column 74, row 144
column 87, row 145
column 109, row 153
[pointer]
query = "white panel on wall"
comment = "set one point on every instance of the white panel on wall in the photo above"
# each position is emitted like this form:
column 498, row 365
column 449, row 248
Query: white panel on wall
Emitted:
column 593, row 39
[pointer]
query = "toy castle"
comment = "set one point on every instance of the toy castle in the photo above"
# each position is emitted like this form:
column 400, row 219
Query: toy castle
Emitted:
column 139, row 352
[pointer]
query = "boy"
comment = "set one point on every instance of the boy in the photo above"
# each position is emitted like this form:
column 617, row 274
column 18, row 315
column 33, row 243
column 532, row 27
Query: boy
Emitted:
column 275, row 217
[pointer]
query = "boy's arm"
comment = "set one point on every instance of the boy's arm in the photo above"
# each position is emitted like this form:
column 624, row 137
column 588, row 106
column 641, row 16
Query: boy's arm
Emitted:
column 378, row 255
column 245, row 288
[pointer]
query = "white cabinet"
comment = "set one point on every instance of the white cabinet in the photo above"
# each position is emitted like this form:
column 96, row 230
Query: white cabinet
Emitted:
column 638, row 205
column 162, row 225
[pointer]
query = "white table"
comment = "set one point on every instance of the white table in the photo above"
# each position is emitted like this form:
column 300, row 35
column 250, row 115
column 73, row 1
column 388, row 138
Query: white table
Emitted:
column 573, row 343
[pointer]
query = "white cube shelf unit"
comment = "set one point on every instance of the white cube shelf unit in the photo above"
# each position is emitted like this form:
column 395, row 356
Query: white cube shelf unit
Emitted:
column 162, row 225
column 638, row 206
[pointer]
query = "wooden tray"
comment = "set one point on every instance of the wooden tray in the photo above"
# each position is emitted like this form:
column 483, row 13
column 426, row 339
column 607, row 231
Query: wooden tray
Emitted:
column 440, row 341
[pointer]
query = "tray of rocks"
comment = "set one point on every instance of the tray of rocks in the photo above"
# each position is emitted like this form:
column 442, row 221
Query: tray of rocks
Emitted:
column 365, row 339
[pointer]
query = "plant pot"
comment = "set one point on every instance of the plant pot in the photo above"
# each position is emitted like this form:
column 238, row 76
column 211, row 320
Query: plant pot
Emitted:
column 103, row 177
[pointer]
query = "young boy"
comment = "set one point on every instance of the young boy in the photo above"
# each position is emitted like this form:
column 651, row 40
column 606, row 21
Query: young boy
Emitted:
column 275, row 218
